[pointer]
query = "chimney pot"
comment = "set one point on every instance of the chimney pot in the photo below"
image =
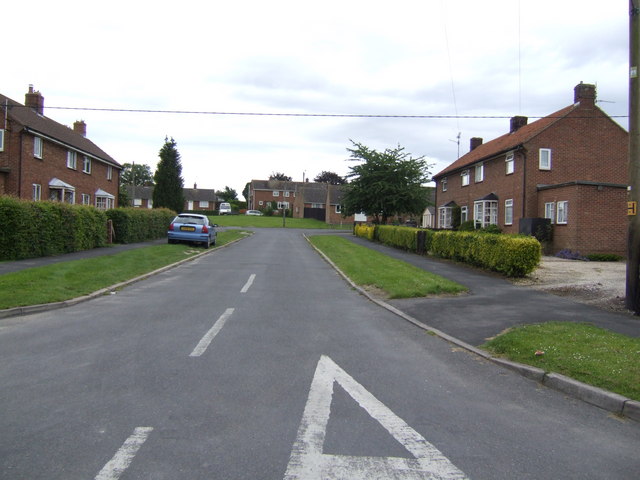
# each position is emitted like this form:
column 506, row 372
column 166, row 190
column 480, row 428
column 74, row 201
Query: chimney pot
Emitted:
column 35, row 100
column 80, row 127
column 517, row 123
column 585, row 94
column 475, row 143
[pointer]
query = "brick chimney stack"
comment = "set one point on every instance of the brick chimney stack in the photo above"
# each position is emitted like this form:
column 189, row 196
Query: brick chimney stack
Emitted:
column 34, row 100
column 80, row 127
column 475, row 143
column 584, row 94
column 517, row 123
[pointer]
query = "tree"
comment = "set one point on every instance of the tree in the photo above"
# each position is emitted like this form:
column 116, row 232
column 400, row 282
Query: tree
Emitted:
column 279, row 176
column 136, row 174
column 387, row 183
column 330, row 178
column 228, row 195
column 245, row 191
column 168, row 191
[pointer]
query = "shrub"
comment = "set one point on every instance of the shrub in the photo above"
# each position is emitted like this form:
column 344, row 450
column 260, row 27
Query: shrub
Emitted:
column 569, row 255
column 604, row 257
column 399, row 237
column 364, row 231
column 467, row 226
column 138, row 225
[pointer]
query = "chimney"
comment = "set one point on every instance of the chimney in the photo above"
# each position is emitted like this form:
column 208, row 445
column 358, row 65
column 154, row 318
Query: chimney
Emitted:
column 517, row 123
column 80, row 127
column 34, row 100
column 195, row 186
column 584, row 94
column 475, row 143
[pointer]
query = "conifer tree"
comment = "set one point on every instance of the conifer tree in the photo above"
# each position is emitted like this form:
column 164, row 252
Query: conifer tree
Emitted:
column 168, row 191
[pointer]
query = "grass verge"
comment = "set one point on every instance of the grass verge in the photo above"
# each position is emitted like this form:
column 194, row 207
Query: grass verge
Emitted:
column 369, row 268
column 581, row 351
column 274, row 222
column 66, row 280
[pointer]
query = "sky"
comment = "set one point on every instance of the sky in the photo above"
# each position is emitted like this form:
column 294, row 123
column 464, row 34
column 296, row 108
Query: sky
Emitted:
column 320, row 74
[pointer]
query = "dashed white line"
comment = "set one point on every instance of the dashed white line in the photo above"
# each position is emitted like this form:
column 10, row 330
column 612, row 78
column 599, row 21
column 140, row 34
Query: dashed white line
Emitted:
column 210, row 335
column 247, row 285
column 124, row 456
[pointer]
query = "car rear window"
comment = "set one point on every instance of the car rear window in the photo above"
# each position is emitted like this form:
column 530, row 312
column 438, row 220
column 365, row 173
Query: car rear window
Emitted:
column 189, row 219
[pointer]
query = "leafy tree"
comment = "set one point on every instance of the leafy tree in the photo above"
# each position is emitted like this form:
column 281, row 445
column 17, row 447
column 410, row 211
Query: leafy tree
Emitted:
column 228, row 195
column 245, row 192
column 168, row 191
column 279, row 176
column 387, row 183
column 136, row 174
column 331, row 178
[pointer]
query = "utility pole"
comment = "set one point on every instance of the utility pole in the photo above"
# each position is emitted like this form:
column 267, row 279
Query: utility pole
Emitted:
column 633, row 246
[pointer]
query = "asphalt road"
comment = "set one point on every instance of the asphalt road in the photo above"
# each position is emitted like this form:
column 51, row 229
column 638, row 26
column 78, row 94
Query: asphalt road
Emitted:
column 257, row 361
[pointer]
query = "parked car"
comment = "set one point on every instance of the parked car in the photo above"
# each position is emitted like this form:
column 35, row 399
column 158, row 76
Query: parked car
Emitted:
column 224, row 209
column 191, row 227
column 253, row 212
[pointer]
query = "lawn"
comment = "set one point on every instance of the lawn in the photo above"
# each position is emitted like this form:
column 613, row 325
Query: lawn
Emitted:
column 67, row 280
column 274, row 222
column 369, row 268
column 581, row 351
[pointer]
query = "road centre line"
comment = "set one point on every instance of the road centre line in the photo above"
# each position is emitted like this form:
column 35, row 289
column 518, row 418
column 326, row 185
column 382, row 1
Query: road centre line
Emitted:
column 124, row 456
column 247, row 285
column 210, row 335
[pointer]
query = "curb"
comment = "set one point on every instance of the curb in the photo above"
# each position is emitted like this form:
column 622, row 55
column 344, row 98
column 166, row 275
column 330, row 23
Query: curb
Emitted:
column 599, row 397
column 44, row 307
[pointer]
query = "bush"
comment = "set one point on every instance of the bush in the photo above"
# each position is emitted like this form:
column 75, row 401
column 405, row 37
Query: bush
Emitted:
column 467, row 226
column 604, row 257
column 364, row 231
column 569, row 255
column 138, row 225
column 38, row 229
column 399, row 237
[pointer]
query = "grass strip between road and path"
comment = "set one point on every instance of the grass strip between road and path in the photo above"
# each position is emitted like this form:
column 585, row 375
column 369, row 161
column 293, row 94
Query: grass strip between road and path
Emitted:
column 369, row 268
column 263, row 221
column 66, row 280
column 581, row 351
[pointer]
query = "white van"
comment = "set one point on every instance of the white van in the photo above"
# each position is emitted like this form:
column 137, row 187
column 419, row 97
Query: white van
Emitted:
column 224, row 209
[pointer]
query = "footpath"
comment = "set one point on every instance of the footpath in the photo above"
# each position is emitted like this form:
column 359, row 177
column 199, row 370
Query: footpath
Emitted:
column 492, row 305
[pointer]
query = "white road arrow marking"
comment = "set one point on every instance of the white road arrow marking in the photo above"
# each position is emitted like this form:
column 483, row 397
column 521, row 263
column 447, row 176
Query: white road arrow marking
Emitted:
column 203, row 344
column 124, row 456
column 307, row 462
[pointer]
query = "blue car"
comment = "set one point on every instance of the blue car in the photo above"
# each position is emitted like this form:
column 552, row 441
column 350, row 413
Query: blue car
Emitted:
column 192, row 228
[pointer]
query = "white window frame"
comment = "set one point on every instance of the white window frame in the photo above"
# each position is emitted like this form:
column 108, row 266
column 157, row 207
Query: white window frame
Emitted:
column 479, row 174
column 72, row 160
column 544, row 159
column 104, row 203
column 508, row 211
column 137, row 202
column 86, row 165
column 550, row 211
column 445, row 217
column 465, row 178
column 286, row 193
column 203, row 203
column 338, row 208
column 276, row 193
column 562, row 212
column 109, row 172
column 65, row 195
column 86, row 199
column 283, row 205
column 1, row 140
column 510, row 164
column 36, row 190
column 38, row 147
column 261, row 202
column 485, row 213
column 443, row 182
column 464, row 214
column 318, row 205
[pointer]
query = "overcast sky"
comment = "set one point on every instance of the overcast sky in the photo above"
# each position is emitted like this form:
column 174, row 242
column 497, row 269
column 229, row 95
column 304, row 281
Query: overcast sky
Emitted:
column 433, row 58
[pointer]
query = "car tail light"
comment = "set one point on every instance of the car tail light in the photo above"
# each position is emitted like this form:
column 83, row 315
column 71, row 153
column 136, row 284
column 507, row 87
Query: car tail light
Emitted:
column 205, row 229
column 171, row 227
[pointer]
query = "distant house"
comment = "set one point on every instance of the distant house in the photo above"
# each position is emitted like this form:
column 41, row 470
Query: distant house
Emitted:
column 321, row 201
column 41, row 159
column 569, row 167
column 195, row 199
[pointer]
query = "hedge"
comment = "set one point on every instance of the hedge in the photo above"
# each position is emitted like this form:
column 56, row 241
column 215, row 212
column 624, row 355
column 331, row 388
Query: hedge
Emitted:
column 38, row 229
column 133, row 225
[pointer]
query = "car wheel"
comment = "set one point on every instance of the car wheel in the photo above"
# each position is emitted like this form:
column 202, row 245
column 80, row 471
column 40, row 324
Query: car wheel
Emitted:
column 207, row 244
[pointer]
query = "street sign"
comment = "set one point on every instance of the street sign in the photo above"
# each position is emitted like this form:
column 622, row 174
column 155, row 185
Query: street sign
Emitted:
column 632, row 208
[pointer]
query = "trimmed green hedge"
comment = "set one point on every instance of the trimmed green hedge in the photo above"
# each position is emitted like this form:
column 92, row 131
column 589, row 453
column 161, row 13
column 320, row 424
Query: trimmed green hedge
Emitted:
column 512, row 255
column 133, row 225
column 38, row 229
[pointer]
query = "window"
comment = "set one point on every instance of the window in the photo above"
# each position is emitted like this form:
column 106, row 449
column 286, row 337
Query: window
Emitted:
column 510, row 164
column 545, row 159
column 286, row 194
column 479, row 173
column 261, row 203
column 550, row 211
column 109, row 172
column 203, row 204
column 37, row 147
column 71, row 159
column 36, row 191
column 562, row 214
column 444, row 184
column 338, row 208
column 86, row 199
column 137, row 202
column 104, row 203
column 464, row 214
column 465, row 178
column 445, row 215
column 62, row 195
column 508, row 212
column 1, row 140
column 283, row 205
column 276, row 193
column 86, row 164
column 317, row 205
column 485, row 213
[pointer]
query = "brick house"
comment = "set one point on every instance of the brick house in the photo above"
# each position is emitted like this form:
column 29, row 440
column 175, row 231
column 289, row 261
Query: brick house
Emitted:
column 569, row 167
column 41, row 159
column 305, row 199
column 195, row 199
